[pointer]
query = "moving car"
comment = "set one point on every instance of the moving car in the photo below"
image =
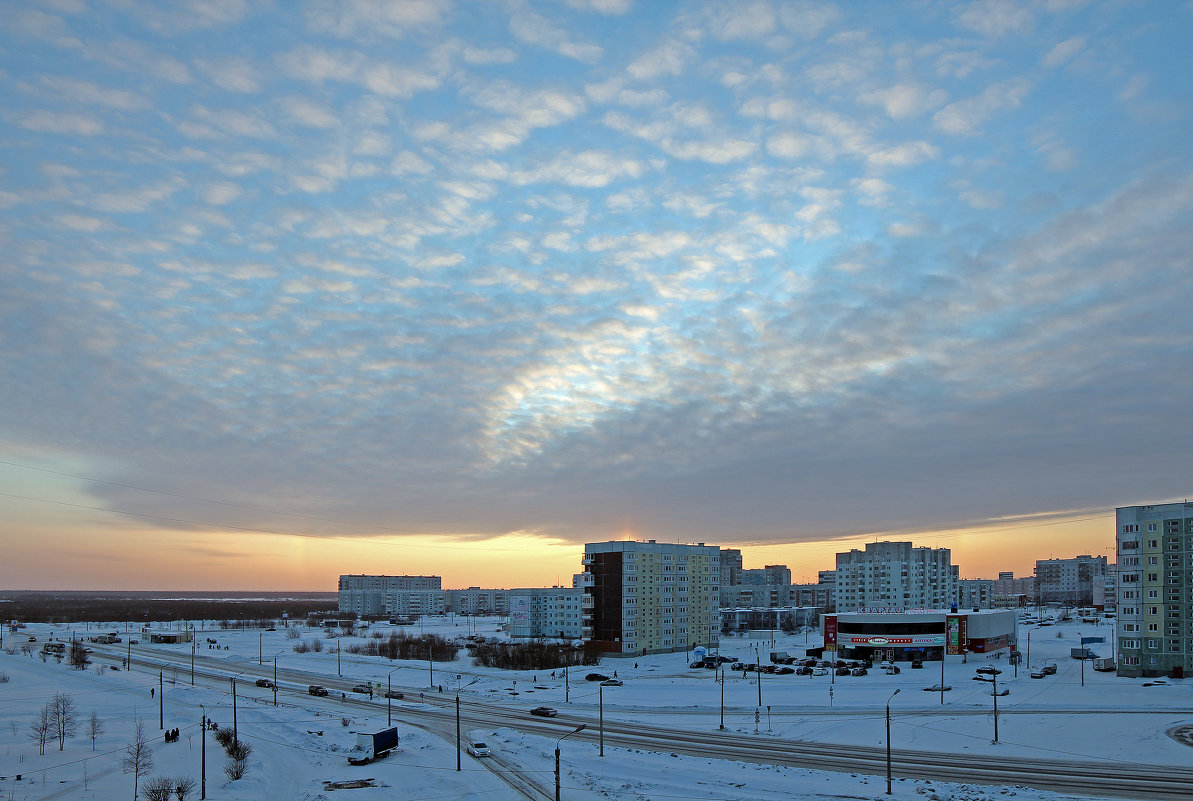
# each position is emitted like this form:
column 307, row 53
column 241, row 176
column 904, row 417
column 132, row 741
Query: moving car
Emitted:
column 989, row 670
column 265, row 683
column 393, row 694
column 315, row 689
column 1049, row 669
column 612, row 683
column 1002, row 692
column 478, row 749
column 936, row 688
column 600, row 676
column 917, row 664
column 697, row 664
column 544, row 712
column 363, row 688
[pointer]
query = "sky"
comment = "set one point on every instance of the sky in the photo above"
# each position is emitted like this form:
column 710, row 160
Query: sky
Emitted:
column 298, row 289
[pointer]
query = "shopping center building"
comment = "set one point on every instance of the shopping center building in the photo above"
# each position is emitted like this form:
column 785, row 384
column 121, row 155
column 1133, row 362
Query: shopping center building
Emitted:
column 902, row 635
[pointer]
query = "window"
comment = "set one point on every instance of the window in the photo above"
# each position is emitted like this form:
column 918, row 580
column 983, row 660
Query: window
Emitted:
column 1151, row 560
column 1152, row 643
column 1130, row 545
column 1150, row 527
column 1153, row 593
column 1152, row 543
column 1153, row 576
column 1155, row 627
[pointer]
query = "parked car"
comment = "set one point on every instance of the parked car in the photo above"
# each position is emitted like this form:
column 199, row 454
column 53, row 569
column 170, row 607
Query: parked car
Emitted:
column 784, row 671
column 362, row 688
column 699, row 664
column 892, row 670
column 842, row 671
column 1002, row 692
column 612, row 683
column 1038, row 674
column 819, row 671
column 768, row 668
column 393, row 694
column 858, row 671
column 724, row 659
column 917, row 664
column 936, row 688
column 265, row 683
column 803, row 670
column 544, row 712
column 315, row 689
column 738, row 666
column 599, row 676
column 1049, row 669
column 989, row 670
column 478, row 749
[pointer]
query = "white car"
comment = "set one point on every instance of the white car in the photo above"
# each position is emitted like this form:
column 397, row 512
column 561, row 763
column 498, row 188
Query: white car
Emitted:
column 478, row 749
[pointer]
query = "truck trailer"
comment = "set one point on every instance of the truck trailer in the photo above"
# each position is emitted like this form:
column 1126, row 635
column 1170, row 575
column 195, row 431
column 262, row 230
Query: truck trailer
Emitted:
column 373, row 746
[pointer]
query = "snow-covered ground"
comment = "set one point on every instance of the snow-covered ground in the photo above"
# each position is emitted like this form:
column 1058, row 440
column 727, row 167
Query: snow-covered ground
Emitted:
column 300, row 744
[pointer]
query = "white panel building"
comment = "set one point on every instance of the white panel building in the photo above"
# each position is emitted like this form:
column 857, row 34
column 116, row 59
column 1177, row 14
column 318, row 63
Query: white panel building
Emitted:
column 391, row 595
column 549, row 612
column 895, row 575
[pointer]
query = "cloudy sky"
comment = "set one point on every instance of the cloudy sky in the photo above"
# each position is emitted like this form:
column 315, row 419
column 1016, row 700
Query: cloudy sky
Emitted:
column 296, row 289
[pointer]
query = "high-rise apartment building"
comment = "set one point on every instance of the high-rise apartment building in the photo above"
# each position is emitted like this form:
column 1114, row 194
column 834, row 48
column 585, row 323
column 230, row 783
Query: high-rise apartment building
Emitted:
column 731, row 569
column 975, row 593
column 1068, row 581
column 1154, row 546
column 650, row 597
column 895, row 575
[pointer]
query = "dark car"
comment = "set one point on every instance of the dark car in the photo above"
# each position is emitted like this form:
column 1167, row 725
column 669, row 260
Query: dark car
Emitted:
column 612, row 683
column 544, row 712
column 363, row 688
column 726, row 659
column 699, row 664
column 842, row 671
column 315, row 689
column 394, row 694
column 917, row 663
column 858, row 671
column 989, row 670
column 737, row 666
column 803, row 670
column 768, row 668
column 1049, row 669
column 603, row 677
column 784, row 671
column 265, row 683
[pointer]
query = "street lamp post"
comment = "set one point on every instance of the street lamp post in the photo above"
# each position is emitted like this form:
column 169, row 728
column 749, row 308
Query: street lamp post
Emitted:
column 722, row 696
column 888, row 742
column 389, row 698
column 1081, row 659
column 995, row 685
column 193, row 661
column 431, row 662
column 203, row 756
column 161, row 701
column 579, row 728
column 458, row 689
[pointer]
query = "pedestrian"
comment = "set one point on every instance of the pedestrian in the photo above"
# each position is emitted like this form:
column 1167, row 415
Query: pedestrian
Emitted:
column 615, row 674
column 635, row 666
column 151, row 691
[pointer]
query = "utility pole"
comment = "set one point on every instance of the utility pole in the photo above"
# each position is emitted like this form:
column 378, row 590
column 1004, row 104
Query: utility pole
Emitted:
column 235, row 731
column 203, row 756
column 161, row 702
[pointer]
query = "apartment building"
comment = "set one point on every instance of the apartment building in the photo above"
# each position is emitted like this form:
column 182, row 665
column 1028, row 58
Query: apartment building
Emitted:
column 1068, row 581
column 477, row 601
column 554, row 612
column 895, row 575
column 1154, row 547
column 391, row 595
column 651, row 597
column 975, row 593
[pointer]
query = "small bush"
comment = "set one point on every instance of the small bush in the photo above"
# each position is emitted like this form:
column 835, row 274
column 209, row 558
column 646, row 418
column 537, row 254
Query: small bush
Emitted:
column 239, row 750
column 301, row 647
column 4, row 679
column 292, row 634
column 236, row 769
column 224, row 737
column 159, row 788
column 183, row 787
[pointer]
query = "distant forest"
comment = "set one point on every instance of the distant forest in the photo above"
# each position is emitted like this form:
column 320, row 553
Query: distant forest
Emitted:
column 73, row 607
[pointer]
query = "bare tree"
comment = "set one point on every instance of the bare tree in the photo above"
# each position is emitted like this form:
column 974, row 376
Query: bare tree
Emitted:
column 239, row 752
column 159, row 788
column 66, row 718
column 184, row 786
column 138, row 759
column 41, row 730
column 78, row 656
column 95, row 728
